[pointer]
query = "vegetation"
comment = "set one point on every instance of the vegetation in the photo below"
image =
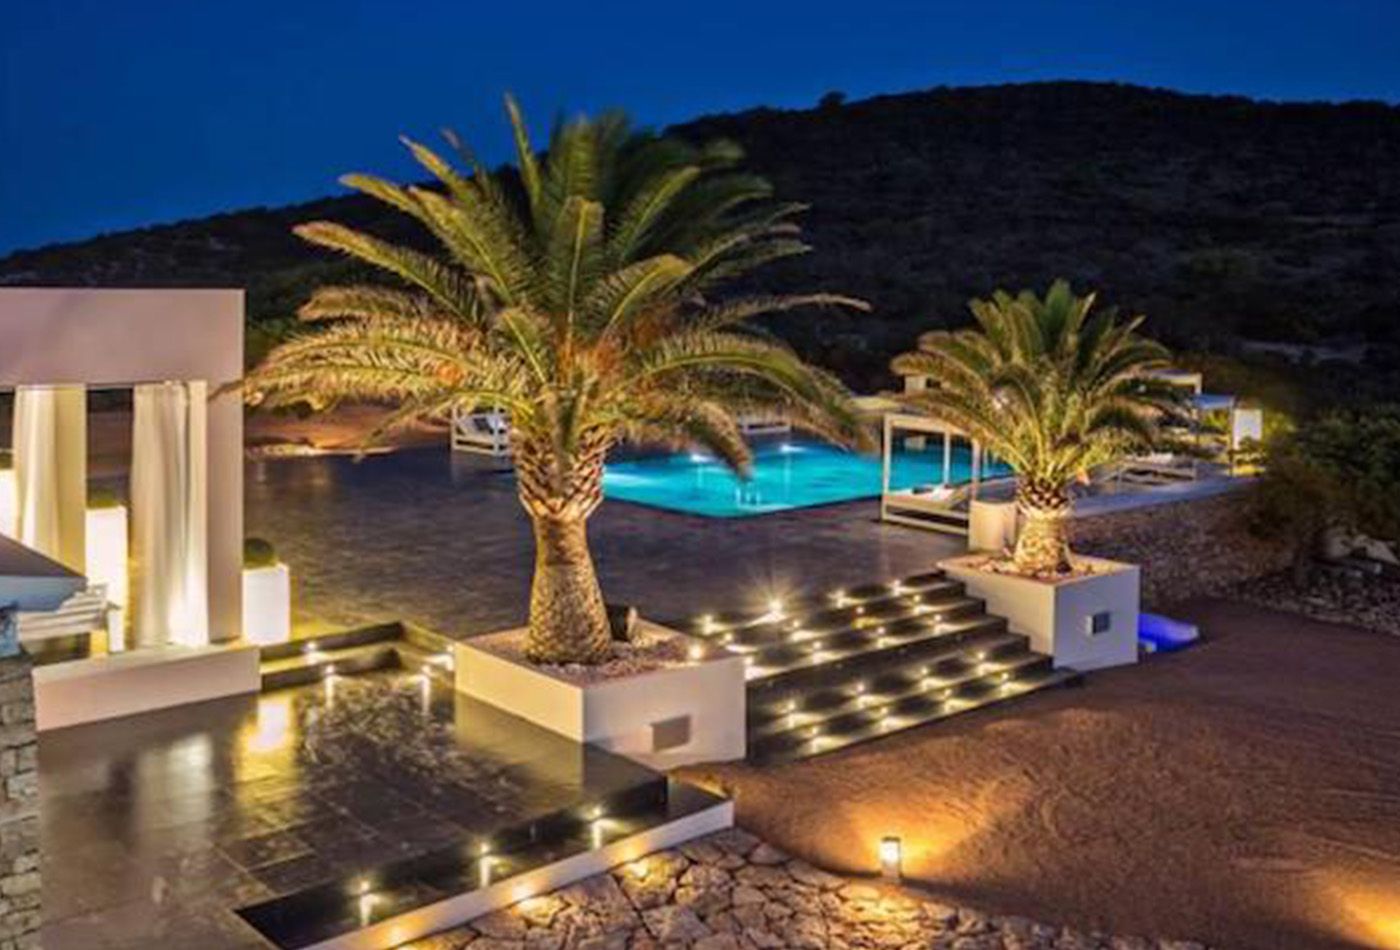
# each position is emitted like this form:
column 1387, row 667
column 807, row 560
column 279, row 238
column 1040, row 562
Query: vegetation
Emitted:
column 258, row 552
column 101, row 496
column 580, row 299
column 1223, row 218
column 1052, row 390
column 1338, row 472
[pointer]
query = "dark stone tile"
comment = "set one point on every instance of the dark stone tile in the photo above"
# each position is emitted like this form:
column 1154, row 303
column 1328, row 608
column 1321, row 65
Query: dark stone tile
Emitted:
column 261, row 850
column 296, row 873
column 669, row 564
column 420, row 832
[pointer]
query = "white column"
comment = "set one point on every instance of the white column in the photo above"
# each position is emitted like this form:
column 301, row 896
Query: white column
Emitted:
column 947, row 456
column 169, row 510
column 9, row 503
column 50, row 458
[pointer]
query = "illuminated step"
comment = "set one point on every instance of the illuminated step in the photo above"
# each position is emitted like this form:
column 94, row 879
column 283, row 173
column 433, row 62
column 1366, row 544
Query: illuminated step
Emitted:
column 785, row 609
column 951, row 671
column 947, row 599
column 856, row 647
column 353, row 652
column 832, row 737
column 406, row 899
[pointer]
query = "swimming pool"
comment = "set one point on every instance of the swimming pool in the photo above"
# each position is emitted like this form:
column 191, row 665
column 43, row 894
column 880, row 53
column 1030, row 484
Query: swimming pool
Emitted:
column 786, row 475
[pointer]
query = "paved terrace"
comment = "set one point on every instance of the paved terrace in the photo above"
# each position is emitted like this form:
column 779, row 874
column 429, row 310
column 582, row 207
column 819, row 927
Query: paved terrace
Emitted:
column 435, row 539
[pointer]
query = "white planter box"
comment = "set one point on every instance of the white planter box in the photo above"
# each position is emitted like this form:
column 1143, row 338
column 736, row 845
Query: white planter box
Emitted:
column 267, row 604
column 1088, row 622
column 662, row 718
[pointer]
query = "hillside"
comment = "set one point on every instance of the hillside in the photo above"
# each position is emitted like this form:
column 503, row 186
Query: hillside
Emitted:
column 1220, row 218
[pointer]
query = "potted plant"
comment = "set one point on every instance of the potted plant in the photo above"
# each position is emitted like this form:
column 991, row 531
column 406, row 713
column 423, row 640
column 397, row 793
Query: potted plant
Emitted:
column 267, row 594
column 1055, row 389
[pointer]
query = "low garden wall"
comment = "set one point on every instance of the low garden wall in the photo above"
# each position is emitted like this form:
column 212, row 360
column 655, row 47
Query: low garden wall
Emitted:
column 1186, row 549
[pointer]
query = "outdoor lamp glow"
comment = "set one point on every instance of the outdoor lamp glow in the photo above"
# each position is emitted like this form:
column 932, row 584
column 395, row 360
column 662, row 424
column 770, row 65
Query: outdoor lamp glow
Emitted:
column 891, row 858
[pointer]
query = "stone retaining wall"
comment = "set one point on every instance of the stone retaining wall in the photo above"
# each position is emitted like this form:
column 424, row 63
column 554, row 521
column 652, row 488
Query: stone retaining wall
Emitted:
column 19, row 807
column 729, row 891
column 1186, row 549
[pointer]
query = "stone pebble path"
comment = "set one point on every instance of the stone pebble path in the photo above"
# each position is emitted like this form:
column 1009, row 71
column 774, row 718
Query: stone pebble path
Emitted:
column 731, row 891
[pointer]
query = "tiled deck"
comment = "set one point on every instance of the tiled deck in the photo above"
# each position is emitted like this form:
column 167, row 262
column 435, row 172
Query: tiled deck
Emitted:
column 428, row 537
column 156, row 827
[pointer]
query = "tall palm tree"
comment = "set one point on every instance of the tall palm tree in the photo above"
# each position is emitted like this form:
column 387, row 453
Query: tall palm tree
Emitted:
column 580, row 300
column 1052, row 390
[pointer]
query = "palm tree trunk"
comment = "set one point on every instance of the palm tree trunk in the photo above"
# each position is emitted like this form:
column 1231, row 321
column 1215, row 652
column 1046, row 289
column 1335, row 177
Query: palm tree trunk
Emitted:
column 1043, row 544
column 568, row 620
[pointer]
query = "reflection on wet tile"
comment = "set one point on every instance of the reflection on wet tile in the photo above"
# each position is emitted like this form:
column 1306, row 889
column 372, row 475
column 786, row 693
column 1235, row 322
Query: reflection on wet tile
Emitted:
column 155, row 823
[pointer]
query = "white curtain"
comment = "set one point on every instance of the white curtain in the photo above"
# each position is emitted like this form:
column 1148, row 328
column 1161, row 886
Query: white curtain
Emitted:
column 169, row 515
column 50, row 470
column 36, row 467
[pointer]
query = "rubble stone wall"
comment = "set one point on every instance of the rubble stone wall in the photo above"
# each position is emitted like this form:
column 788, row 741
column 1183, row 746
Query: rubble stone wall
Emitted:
column 19, row 807
column 1186, row 549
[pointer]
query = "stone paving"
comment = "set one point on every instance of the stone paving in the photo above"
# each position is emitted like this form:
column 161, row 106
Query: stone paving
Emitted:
column 730, row 891
column 428, row 536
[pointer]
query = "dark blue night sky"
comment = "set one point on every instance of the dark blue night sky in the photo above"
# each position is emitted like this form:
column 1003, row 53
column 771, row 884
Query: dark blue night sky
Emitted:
column 118, row 113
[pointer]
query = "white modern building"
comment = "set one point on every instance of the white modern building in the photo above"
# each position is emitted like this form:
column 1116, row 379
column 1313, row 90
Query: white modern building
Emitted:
column 163, row 567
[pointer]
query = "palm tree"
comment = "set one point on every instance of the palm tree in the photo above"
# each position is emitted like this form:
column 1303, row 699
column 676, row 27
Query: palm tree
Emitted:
column 580, row 300
column 1051, row 390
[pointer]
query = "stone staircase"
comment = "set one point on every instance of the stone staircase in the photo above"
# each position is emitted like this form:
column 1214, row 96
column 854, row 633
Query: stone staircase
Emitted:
column 384, row 646
column 830, row 670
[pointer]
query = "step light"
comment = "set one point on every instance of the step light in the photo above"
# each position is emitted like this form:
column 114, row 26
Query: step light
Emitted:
column 366, row 900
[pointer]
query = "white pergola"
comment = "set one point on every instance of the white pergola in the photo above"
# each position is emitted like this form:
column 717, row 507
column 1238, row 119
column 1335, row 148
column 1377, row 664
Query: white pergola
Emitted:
column 176, row 350
column 944, row 506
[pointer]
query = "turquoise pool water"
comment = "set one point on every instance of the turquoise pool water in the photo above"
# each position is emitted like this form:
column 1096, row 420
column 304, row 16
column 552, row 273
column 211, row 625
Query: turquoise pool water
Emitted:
column 786, row 475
